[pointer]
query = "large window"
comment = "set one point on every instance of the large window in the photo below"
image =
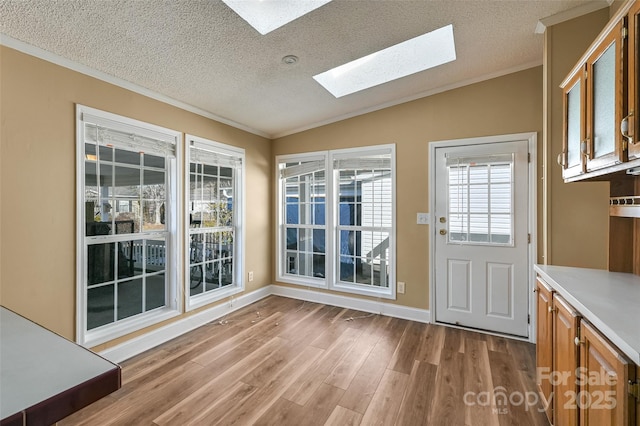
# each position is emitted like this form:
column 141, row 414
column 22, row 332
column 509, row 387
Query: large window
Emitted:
column 127, row 187
column 336, row 220
column 303, row 189
column 215, row 211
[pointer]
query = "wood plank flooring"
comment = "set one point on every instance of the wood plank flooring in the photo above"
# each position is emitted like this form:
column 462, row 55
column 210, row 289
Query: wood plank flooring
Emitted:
column 287, row 362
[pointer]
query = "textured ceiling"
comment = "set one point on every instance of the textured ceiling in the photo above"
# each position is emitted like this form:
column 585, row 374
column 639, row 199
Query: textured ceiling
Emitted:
column 200, row 53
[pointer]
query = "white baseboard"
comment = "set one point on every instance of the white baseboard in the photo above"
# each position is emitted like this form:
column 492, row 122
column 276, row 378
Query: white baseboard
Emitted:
column 365, row 305
column 156, row 337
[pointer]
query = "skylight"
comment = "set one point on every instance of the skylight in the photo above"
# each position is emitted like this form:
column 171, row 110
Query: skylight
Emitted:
column 409, row 57
column 267, row 15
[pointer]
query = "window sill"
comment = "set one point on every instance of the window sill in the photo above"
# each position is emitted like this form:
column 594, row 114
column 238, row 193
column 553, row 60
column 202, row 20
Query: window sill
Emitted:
column 303, row 281
column 201, row 300
column 342, row 287
column 364, row 290
column 122, row 328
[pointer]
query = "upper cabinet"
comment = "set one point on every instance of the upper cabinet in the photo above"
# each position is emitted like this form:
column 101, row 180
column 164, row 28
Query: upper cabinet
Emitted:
column 574, row 141
column 601, row 132
column 604, row 101
column 632, row 123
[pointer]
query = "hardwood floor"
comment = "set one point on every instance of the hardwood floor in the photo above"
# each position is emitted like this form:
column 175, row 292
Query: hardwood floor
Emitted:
column 287, row 362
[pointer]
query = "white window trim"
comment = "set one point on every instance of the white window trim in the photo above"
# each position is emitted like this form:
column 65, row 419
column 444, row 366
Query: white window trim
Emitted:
column 361, row 289
column 172, row 309
column 331, row 280
column 200, row 300
column 281, row 222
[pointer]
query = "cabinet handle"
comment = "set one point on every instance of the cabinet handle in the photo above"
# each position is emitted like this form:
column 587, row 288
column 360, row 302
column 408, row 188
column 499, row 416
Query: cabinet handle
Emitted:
column 584, row 147
column 624, row 128
column 551, row 309
column 578, row 342
column 560, row 159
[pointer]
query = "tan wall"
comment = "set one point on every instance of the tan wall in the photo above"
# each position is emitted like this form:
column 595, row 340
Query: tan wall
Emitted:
column 509, row 104
column 37, row 177
column 37, row 174
column 577, row 213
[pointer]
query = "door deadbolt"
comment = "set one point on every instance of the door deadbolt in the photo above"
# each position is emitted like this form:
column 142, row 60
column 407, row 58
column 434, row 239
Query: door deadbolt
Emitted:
column 443, row 232
column 443, row 219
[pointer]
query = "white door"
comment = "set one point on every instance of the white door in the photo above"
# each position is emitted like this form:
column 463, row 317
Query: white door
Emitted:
column 481, row 236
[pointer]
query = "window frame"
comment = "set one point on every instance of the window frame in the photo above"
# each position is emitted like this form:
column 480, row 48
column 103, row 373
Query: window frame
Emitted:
column 490, row 162
column 173, row 215
column 332, row 203
column 281, row 245
column 239, row 219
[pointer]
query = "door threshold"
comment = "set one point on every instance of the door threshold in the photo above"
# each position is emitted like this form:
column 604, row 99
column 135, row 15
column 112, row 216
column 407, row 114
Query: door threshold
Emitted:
column 483, row 331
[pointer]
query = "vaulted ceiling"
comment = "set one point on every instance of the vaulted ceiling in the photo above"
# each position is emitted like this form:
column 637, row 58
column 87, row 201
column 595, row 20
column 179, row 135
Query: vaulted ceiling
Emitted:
column 201, row 54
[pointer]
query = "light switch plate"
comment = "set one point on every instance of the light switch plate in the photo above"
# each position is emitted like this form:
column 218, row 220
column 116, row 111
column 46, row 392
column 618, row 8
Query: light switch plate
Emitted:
column 423, row 218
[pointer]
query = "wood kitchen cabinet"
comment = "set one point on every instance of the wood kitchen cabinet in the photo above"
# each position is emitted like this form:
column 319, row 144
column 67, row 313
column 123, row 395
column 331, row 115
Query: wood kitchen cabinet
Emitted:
column 601, row 120
column 587, row 379
column 594, row 106
column 565, row 362
column 544, row 346
column 604, row 378
column 606, row 70
column 574, row 130
column 633, row 117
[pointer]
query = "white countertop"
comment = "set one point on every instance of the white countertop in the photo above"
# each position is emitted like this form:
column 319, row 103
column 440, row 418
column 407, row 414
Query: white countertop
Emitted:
column 37, row 365
column 608, row 300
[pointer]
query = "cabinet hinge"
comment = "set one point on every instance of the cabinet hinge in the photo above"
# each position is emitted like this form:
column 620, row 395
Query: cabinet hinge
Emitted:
column 529, row 238
column 634, row 389
column 624, row 32
column 528, row 319
column 528, row 157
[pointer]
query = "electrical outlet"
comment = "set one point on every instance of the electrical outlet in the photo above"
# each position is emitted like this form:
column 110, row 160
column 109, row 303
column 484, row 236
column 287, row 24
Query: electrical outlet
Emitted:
column 250, row 275
column 400, row 287
column 423, row 218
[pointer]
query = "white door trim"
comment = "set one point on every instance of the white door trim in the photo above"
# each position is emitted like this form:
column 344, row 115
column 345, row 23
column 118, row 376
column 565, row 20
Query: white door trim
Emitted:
column 531, row 138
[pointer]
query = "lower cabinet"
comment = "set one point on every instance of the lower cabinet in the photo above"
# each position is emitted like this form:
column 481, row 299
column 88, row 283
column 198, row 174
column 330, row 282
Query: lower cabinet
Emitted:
column 605, row 374
column 582, row 378
column 565, row 363
column 544, row 337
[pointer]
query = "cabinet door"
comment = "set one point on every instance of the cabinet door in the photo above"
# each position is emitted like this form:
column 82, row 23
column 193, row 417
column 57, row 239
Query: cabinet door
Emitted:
column 571, row 159
column 604, row 374
column 565, row 363
column 605, row 101
column 544, row 345
column 634, row 81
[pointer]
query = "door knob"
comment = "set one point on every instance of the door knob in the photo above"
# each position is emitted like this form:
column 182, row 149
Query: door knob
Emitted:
column 443, row 232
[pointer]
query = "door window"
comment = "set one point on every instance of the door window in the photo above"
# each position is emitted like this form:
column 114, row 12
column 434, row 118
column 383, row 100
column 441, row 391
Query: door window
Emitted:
column 480, row 200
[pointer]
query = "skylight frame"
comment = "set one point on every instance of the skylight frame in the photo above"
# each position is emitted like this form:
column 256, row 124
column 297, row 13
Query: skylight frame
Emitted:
column 268, row 15
column 409, row 57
